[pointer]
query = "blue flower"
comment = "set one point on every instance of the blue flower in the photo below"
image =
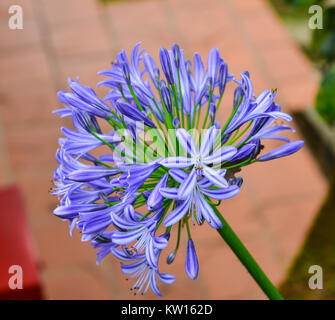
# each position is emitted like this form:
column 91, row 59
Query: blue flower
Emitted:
column 200, row 159
column 194, row 200
column 103, row 241
column 82, row 142
column 141, row 234
column 144, row 273
column 83, row 99
column 120, row 186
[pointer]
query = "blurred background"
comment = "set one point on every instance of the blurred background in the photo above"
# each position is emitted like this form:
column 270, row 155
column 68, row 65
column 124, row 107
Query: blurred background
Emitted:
column 283, row 214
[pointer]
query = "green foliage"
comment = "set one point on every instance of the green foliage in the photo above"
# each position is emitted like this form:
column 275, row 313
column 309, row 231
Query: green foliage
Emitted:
column 323, row 40
column 321, row 48
column 318, row 249
column 303, row 3
column 294, row 9
column 325, row 99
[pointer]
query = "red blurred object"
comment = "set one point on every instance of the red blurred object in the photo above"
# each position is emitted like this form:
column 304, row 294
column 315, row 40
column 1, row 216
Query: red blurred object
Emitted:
column 16, row 248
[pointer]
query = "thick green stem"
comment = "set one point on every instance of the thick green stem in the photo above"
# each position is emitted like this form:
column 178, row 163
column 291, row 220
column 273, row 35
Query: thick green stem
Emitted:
column 247, row 260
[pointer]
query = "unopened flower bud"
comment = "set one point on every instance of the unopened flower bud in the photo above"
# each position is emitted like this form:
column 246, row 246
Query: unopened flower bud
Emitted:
column 191, row 265
column 86, row 121
column 231, row 181
column 171, row 257
column 176, row 54
column 166, row 98
column 126, row 72
column 239, row 181
column 212, row 111
column 166, row 65
column 223, row 72
column 238, row 94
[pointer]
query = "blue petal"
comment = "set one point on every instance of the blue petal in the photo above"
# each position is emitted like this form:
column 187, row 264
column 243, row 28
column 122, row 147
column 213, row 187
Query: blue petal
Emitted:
column 124, row 224
column 155, row 199
column 220, row 155
column 282, row 151
column 208, row 214
column 269, row 132
column 150, row 67
column 282, row 115
column 73, row 210
column 166, row 278
column 169, row 193
column 123, row 255
column 153, row 283
column 130, row 268
column 160, row 242
column 129, row 213
column 150, row 254
column 244, row 152
column 126, row 237
column 212, row 66
column 191, row 265
column 187, row 186
column 222, row 193
column 97, row 225
column 93, row 173
column 208, row 141
column 187, row 142
column 178, row 175
column 177, row 162
column 204, row 183
column 215, row 177
column 175, row 215
column 130, row 111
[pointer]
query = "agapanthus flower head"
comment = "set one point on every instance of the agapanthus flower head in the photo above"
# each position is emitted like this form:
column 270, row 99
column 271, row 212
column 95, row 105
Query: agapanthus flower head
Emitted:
column 168, row 159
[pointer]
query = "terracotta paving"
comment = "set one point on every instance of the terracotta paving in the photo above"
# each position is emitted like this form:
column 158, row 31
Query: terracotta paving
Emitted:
column 73, row 38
